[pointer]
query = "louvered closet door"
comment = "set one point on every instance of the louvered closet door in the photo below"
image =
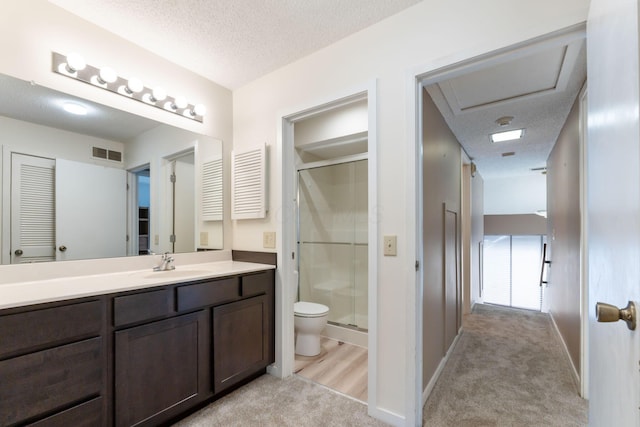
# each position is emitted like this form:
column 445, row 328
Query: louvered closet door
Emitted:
column 32, row 209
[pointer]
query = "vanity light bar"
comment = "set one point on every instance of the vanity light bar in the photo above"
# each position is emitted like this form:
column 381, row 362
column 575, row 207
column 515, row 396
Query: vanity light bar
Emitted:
column 74, row 66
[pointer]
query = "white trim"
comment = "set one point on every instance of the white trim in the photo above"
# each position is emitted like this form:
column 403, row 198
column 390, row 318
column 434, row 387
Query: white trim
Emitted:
column 414, row 297
column 574, row 371
column 285, row 228
column 584, row 282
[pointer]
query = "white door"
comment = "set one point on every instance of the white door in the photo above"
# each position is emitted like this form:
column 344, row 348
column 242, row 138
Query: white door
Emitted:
column 32, row 209
column 613, row 208
column 91, row 211
column 184, row 204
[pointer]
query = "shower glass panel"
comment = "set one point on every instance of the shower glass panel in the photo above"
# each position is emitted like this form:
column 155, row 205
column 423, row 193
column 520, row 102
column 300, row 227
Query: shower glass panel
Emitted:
column 332, row 240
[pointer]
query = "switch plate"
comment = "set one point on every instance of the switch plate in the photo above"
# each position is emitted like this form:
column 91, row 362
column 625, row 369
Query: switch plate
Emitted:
column 204, row 238
column 390, row 245
column 156, row 239
column 269, row 239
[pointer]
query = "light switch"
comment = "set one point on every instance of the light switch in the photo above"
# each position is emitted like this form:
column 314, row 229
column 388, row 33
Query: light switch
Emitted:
column 156, row 239
column 269, row 239
column 390, row 244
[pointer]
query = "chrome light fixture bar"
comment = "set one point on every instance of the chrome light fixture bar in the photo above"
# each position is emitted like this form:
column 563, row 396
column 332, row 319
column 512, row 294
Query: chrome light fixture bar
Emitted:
column 75, row 67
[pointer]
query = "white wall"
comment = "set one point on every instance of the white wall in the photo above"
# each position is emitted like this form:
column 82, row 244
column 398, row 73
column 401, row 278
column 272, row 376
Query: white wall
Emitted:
column 423, row 38
column 31, row 30
column 515, row 195
column 154, row 147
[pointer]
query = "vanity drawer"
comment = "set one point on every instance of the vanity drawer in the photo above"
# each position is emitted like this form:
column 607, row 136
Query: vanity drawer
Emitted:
column 143, row 306
column 208, row 293
column 21, row 333
column 87, row 414
column 44, row 381
column 256, row 284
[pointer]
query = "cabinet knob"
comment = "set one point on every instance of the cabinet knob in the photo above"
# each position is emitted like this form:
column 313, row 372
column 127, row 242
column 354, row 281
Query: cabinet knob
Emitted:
column 62, row 248
column 18, row 252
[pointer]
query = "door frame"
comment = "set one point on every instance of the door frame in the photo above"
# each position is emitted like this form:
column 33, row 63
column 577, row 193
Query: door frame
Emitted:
column 286, row 276
column 417, row 78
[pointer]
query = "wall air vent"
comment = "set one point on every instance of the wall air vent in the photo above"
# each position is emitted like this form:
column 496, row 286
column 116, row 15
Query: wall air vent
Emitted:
column 100, row 153
column 249, row 183
column 212, row 190
column 103, row 153
column 509, row 154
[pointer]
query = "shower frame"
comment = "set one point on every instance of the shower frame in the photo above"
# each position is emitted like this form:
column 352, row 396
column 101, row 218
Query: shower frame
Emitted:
column 361, row 340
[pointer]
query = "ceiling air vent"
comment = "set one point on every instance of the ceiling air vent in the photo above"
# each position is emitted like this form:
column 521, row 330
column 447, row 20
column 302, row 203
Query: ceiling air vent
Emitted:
column 509, row 153
column 103, row 153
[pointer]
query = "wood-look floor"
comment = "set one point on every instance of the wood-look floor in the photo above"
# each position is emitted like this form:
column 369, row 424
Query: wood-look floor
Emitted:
column 339, row 366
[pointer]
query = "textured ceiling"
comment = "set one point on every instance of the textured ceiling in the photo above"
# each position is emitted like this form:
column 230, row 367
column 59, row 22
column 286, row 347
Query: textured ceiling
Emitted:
column 537, row 90
column 22, row 101
column 233, row 42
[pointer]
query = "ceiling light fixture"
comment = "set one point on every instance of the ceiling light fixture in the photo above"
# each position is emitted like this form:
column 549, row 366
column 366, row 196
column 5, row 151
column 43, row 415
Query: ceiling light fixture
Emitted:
column 74, row 66
column 509, row 135
column 73, row 108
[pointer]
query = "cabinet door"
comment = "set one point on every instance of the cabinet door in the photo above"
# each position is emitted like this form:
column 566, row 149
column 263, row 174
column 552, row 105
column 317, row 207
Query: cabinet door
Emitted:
column 240, row 340
column 161, row 369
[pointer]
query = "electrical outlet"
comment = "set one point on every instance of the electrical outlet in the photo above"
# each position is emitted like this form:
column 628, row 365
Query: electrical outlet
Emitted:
column 390, row 245
column 269, row 239
column 204, row 238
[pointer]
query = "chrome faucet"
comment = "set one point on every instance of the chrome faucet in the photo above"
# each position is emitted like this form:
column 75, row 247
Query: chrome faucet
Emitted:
column 166, row 263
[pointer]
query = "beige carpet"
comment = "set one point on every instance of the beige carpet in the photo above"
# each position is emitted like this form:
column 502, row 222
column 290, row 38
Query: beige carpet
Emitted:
column 508, row 369
column 269, row 401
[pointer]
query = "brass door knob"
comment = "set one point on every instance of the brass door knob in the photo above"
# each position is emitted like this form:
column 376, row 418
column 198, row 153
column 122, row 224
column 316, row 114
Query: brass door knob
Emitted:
column 611, row 313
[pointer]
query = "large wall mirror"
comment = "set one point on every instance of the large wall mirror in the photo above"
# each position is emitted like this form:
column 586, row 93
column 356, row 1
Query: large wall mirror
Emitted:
column 101, row 184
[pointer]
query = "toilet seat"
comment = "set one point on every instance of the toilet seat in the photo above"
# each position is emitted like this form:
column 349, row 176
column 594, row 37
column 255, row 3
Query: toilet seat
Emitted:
column 309, row 309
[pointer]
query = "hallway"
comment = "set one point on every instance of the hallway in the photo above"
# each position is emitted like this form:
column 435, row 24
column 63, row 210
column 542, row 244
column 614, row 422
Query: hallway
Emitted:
column 508, row 368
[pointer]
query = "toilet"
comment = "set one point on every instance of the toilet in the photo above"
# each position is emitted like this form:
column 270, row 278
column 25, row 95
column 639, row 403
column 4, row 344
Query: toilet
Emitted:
column 310, row 319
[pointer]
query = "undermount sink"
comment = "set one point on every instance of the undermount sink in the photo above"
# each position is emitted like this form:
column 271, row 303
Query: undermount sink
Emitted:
column 176, row 273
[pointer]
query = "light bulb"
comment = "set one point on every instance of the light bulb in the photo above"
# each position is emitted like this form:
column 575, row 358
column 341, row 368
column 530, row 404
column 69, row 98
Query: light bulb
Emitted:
column 179, row 102
column 134, row 86
column 75, row 62
column 199, row 110
column 107, row 75
column 158, row 94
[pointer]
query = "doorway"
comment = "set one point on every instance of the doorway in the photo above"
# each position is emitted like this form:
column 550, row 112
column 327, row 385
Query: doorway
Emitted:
column 442, row 85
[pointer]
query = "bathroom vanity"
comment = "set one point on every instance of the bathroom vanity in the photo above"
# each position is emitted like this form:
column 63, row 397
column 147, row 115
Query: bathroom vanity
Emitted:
column 154, row 347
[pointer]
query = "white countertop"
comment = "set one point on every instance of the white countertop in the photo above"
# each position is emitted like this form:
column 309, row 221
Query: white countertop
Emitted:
column 24, row 293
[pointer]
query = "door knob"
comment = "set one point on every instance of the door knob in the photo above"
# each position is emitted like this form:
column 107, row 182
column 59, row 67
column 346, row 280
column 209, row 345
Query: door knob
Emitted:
column 62, row 248
column 18, row 252
column 611, row 313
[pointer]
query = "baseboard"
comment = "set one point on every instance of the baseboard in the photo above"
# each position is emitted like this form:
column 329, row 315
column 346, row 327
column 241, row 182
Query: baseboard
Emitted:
column 387, row 416
column 576, row 376
column 432, row 382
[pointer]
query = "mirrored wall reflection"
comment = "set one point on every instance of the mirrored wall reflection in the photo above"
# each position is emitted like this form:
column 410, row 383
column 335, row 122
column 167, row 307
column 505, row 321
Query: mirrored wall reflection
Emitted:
column 96, row 185
column 332, row 240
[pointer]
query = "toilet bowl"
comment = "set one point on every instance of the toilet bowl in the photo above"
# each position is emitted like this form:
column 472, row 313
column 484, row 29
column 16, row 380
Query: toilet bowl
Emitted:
column 310, row 319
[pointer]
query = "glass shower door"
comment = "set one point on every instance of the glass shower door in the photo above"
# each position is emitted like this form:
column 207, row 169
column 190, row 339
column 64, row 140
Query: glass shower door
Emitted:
column 332, row 240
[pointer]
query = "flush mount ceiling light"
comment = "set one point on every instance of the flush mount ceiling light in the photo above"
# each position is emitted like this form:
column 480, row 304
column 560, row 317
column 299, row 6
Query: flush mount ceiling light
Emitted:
column 75, row 67
column 73, row 108
column 509, row 135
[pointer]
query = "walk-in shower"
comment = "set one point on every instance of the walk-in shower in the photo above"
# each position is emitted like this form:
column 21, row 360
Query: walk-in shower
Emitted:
column 332, row 240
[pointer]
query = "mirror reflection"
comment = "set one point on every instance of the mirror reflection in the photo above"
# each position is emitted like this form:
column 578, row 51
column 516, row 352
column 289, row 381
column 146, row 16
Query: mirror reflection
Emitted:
column 103, row 183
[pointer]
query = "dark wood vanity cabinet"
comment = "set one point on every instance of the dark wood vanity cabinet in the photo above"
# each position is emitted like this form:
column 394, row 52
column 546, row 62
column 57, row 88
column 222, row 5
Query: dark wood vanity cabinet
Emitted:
column 53, row 364
column 161, row 369
column 134, row 358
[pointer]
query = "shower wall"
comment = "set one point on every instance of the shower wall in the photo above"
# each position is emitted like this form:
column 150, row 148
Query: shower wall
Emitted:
column 332, row 240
